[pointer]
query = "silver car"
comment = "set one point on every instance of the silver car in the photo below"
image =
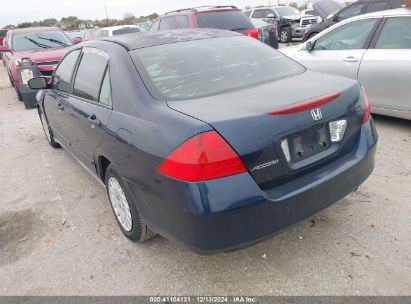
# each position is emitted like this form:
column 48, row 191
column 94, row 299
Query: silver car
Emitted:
column 373, row 48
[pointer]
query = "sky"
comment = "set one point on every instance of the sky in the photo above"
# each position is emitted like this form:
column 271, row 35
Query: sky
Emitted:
column 17, row 11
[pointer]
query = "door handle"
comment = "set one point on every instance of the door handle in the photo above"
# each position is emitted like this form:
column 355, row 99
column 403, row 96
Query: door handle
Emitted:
column 351, row 59
column 93, row 121
column 60, row 107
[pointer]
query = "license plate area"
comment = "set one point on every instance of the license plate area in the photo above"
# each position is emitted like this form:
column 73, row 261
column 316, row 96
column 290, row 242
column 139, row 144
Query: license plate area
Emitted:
column 308, row 142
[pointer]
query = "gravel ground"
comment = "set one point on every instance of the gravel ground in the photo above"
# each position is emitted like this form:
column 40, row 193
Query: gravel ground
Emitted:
column 58, row 235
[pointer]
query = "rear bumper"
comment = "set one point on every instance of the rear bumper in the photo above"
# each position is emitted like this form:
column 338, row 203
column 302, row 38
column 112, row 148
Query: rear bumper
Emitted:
column 233, row 212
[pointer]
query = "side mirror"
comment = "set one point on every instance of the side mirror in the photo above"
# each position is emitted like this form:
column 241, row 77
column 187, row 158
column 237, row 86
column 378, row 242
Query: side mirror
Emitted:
column 76, row 40
column 4, row 49
column 37, row 83
column 308, row 46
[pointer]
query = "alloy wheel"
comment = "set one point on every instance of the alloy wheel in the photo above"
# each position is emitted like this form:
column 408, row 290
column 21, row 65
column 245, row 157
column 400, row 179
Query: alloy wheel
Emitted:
column 120, row 204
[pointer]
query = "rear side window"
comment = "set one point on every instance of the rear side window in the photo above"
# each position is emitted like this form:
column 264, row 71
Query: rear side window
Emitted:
column 259, row 13
column 167, row 23
column 225, row 20
column 396, row 34
column 3, row 34
column 181, row 22
column 205, row 67
column 62, row 76
column 90, row 74
column 105, row 92
column 376, row 6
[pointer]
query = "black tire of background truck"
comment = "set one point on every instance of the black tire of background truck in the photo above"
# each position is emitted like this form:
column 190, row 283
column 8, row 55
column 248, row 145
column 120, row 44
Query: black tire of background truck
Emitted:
column 285, row 35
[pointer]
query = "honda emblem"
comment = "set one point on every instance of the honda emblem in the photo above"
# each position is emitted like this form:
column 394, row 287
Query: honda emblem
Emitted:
column 316, row 114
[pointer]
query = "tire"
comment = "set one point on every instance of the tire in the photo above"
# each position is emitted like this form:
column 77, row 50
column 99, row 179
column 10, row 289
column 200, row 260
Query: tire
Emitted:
column 285, row 35
column 47, row 131
column 125, row 209
column 18, row 94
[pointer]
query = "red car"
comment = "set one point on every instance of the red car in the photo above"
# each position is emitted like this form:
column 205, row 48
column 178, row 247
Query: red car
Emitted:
column 3, row 33
column 33, row 52
column 218, row 17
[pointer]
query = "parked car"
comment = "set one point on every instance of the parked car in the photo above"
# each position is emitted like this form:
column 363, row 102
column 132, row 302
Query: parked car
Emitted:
column 204, row 139
column 3, row 33
column 354, row 9
column 291, row 23
column 325, row 8
column 217, row 17
column 144, row 26
column 373, row 48
column 32, row 52
column 117, row 30
column 267, row 33
column 90, row 34
column 76, row 34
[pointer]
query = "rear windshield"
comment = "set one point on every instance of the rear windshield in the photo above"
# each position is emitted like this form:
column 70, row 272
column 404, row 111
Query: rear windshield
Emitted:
column 40, row 40
column 126, row 30
column 200, row 68
column 224, row 20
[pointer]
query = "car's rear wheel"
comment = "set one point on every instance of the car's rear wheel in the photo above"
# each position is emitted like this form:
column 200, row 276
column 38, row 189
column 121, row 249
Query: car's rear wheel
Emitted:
column 124, row 208
column 285, row 35
column 47, row 130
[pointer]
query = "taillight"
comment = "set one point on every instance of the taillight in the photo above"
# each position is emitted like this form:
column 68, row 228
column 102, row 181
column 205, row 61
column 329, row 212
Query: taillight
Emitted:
column 202, row 157
column 367, row 106
column 252, row 33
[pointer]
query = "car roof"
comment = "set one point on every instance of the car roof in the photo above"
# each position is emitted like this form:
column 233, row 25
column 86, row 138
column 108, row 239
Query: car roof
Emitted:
column 117, row 27
column 394, row 12
column 204, row 8
column 35, row 29
column 148, row 39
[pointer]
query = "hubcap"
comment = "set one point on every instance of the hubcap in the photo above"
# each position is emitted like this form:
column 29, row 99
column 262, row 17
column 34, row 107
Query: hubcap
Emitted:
column 120, row 205
column 284, row 36
column 45, row 126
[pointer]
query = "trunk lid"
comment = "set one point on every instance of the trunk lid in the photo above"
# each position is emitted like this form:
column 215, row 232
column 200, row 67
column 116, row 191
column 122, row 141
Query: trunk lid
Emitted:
column 241, row 117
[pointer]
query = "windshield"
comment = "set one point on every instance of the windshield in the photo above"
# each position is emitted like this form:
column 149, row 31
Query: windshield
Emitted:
column 206, row 67
column 225, row 20
column 126, row 30
column 40, row 40
column 287, row 11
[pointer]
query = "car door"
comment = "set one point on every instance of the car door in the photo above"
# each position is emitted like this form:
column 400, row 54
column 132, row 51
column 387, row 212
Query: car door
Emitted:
column 89, row 107
column 55, row 98
column 386, row 67
column 340, row 50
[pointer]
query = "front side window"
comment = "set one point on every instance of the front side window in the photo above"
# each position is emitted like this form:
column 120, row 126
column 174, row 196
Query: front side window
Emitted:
column 247, row 13
column 154, row 26
column 205, row 67
column 90, row 74
column 351, row 11
column 347, row 37
column 396, row 34
column 40, row 40
column 62, row 76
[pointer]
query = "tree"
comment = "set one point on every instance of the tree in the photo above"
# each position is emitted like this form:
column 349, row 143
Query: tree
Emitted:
column 48, row 22
column 129, row 18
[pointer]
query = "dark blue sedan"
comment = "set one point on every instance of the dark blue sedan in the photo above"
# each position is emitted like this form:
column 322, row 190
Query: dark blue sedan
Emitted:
column 204, row 137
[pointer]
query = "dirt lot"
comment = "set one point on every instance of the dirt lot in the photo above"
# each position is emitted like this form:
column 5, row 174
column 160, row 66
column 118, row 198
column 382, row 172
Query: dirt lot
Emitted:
column 58, row 235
